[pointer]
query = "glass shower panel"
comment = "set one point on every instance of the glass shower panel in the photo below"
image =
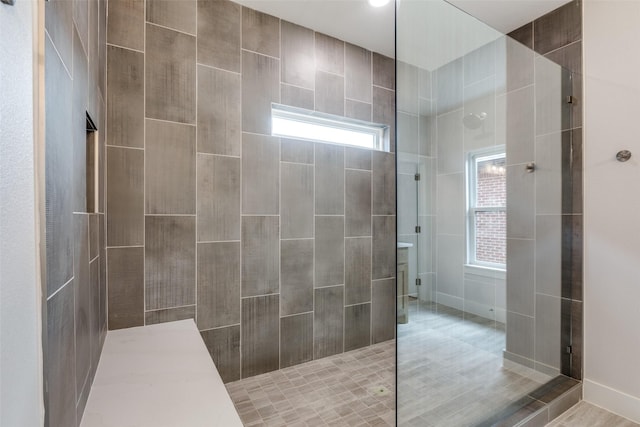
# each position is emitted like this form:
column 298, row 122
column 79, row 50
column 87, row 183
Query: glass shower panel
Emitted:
column 482, row 142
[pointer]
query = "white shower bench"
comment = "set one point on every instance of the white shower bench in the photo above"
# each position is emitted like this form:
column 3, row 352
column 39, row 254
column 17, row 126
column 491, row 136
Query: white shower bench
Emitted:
column 161, row 376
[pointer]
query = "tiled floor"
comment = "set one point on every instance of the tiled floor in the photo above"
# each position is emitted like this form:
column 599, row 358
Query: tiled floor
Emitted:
column 585, row 414
column 450, row 373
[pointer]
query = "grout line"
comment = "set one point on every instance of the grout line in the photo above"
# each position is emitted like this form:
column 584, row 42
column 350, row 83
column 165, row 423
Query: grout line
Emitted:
column 165, row 27
column 124, row 47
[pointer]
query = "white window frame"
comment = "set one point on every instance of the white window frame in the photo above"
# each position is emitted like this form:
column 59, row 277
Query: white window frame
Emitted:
column 473, row 158
column 327, row 128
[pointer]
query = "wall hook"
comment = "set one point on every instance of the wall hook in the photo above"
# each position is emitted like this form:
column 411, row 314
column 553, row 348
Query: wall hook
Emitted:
column 623, row 156
column 530, row 167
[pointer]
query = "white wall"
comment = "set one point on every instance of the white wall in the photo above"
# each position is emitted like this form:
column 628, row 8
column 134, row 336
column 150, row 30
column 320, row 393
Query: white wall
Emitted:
column 20, row 316
column 612, row 206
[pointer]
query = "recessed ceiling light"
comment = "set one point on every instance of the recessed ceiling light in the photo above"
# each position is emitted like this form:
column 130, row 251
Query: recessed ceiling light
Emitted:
column 378, row 3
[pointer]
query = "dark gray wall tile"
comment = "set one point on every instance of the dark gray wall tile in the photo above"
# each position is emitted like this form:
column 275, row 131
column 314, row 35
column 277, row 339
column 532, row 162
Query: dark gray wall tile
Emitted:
column 572, row 160
column 296, row 151
column 384, row 246
column 357, row 73
column 329, row 251
column 383, row 310
column 357, row 326
column 58, row 171
column 558, row 28
column 296, row 96
column 296, row 270
column 330, row 54
column 260, row 87
column 78, row 116
column 125, row 26
column 125, row 197
column 103, row 277
column 329, row 179
column 260, row 331
column 520, row 280
column 94, row 236
column 219, row 112
column 329, row 93
column 125, row 97
column 170, row 168
column 125, row 273
column 523, row 35
column 218, row 198
column 224, row 347
column 170, row 75
column 297, row 201
column 170, row 315
column 178, row 15
column 298, row 59
column 260, row 255
column 520, row 334
column 572, row 256
column 357, row 158
column 384, row 111
column 383, row 183
column 95, row 322
column 357, row 110
column 328, row 322
column 260, row 32
column 61, row 359
column 218, row 284
column 358, row 203
column 219, row 34
column 384, row 71
column 296, row 339
column 260, row 174
column 59, row 25
column 357, row 270
column 82, row 298
column 170, row 261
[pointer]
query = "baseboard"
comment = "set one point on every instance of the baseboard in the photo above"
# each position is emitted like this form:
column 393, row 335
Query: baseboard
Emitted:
column 612, row 400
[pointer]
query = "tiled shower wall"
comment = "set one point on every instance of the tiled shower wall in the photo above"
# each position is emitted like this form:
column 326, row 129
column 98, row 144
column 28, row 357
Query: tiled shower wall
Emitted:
column 75, row 312
column 282, row 250
column 558, row 37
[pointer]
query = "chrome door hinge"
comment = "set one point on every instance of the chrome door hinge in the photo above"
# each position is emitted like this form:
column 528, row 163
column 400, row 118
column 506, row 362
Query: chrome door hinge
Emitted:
column 417, row 177
column 569, row 350
column 418, row 229
column 571, row 99
column 418, row 282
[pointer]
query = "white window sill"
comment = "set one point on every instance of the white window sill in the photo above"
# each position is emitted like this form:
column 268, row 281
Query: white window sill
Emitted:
column 480, row 270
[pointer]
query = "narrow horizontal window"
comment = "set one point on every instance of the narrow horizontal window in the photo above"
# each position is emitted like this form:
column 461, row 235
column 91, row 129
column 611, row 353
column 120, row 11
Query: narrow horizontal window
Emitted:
column 298, row 123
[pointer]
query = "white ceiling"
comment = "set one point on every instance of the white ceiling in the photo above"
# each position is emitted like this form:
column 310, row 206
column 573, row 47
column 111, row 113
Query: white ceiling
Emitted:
column 420, row 22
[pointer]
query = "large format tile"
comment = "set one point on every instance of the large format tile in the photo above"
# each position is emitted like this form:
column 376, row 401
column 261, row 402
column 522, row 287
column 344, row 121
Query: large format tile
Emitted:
column 329, row 251
column 521, row 206
column 259, row 331
column 125, row 197
column 330, row 54
column 219, row 34
column 78, row 115
column 58, row 171
column 451, row 258
column 296, row 276
column 384, row 112
column 61, row 359
column 357, row 158
column 82, row 298
column 125, row 273
column 357, row 203
column 224, row 346
column 357, row 73
column 296, row 212
column 357, row 326
column 125, row 25
column 384, row 183
column 328, row 322
column 383, row 310
column 296, row 339
column 329, row 179
column 297, row 96
column 329, row 93
column 558, row 28
column 547, row 340
column 260, row 255
column 520, row 335
column 218, row 193
column 170, row 261
column 218, row 284
column 170, row 315
column 384, row 71
column 177, row 15
column 260, row 174
column 297, row 151
column 260, row 87
column 521, row 121
column 170, row 75
column 58, row 21
column 260, row 32
column 357, row 110
column 219, row 112
column 407, row 87
column 548, row 254
column 520, row 276
column 357, row 270
column 384, row 247
column 298, row 60
column 449, row 87
column 451, row 204
column 170, row 168
column 450, row 142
